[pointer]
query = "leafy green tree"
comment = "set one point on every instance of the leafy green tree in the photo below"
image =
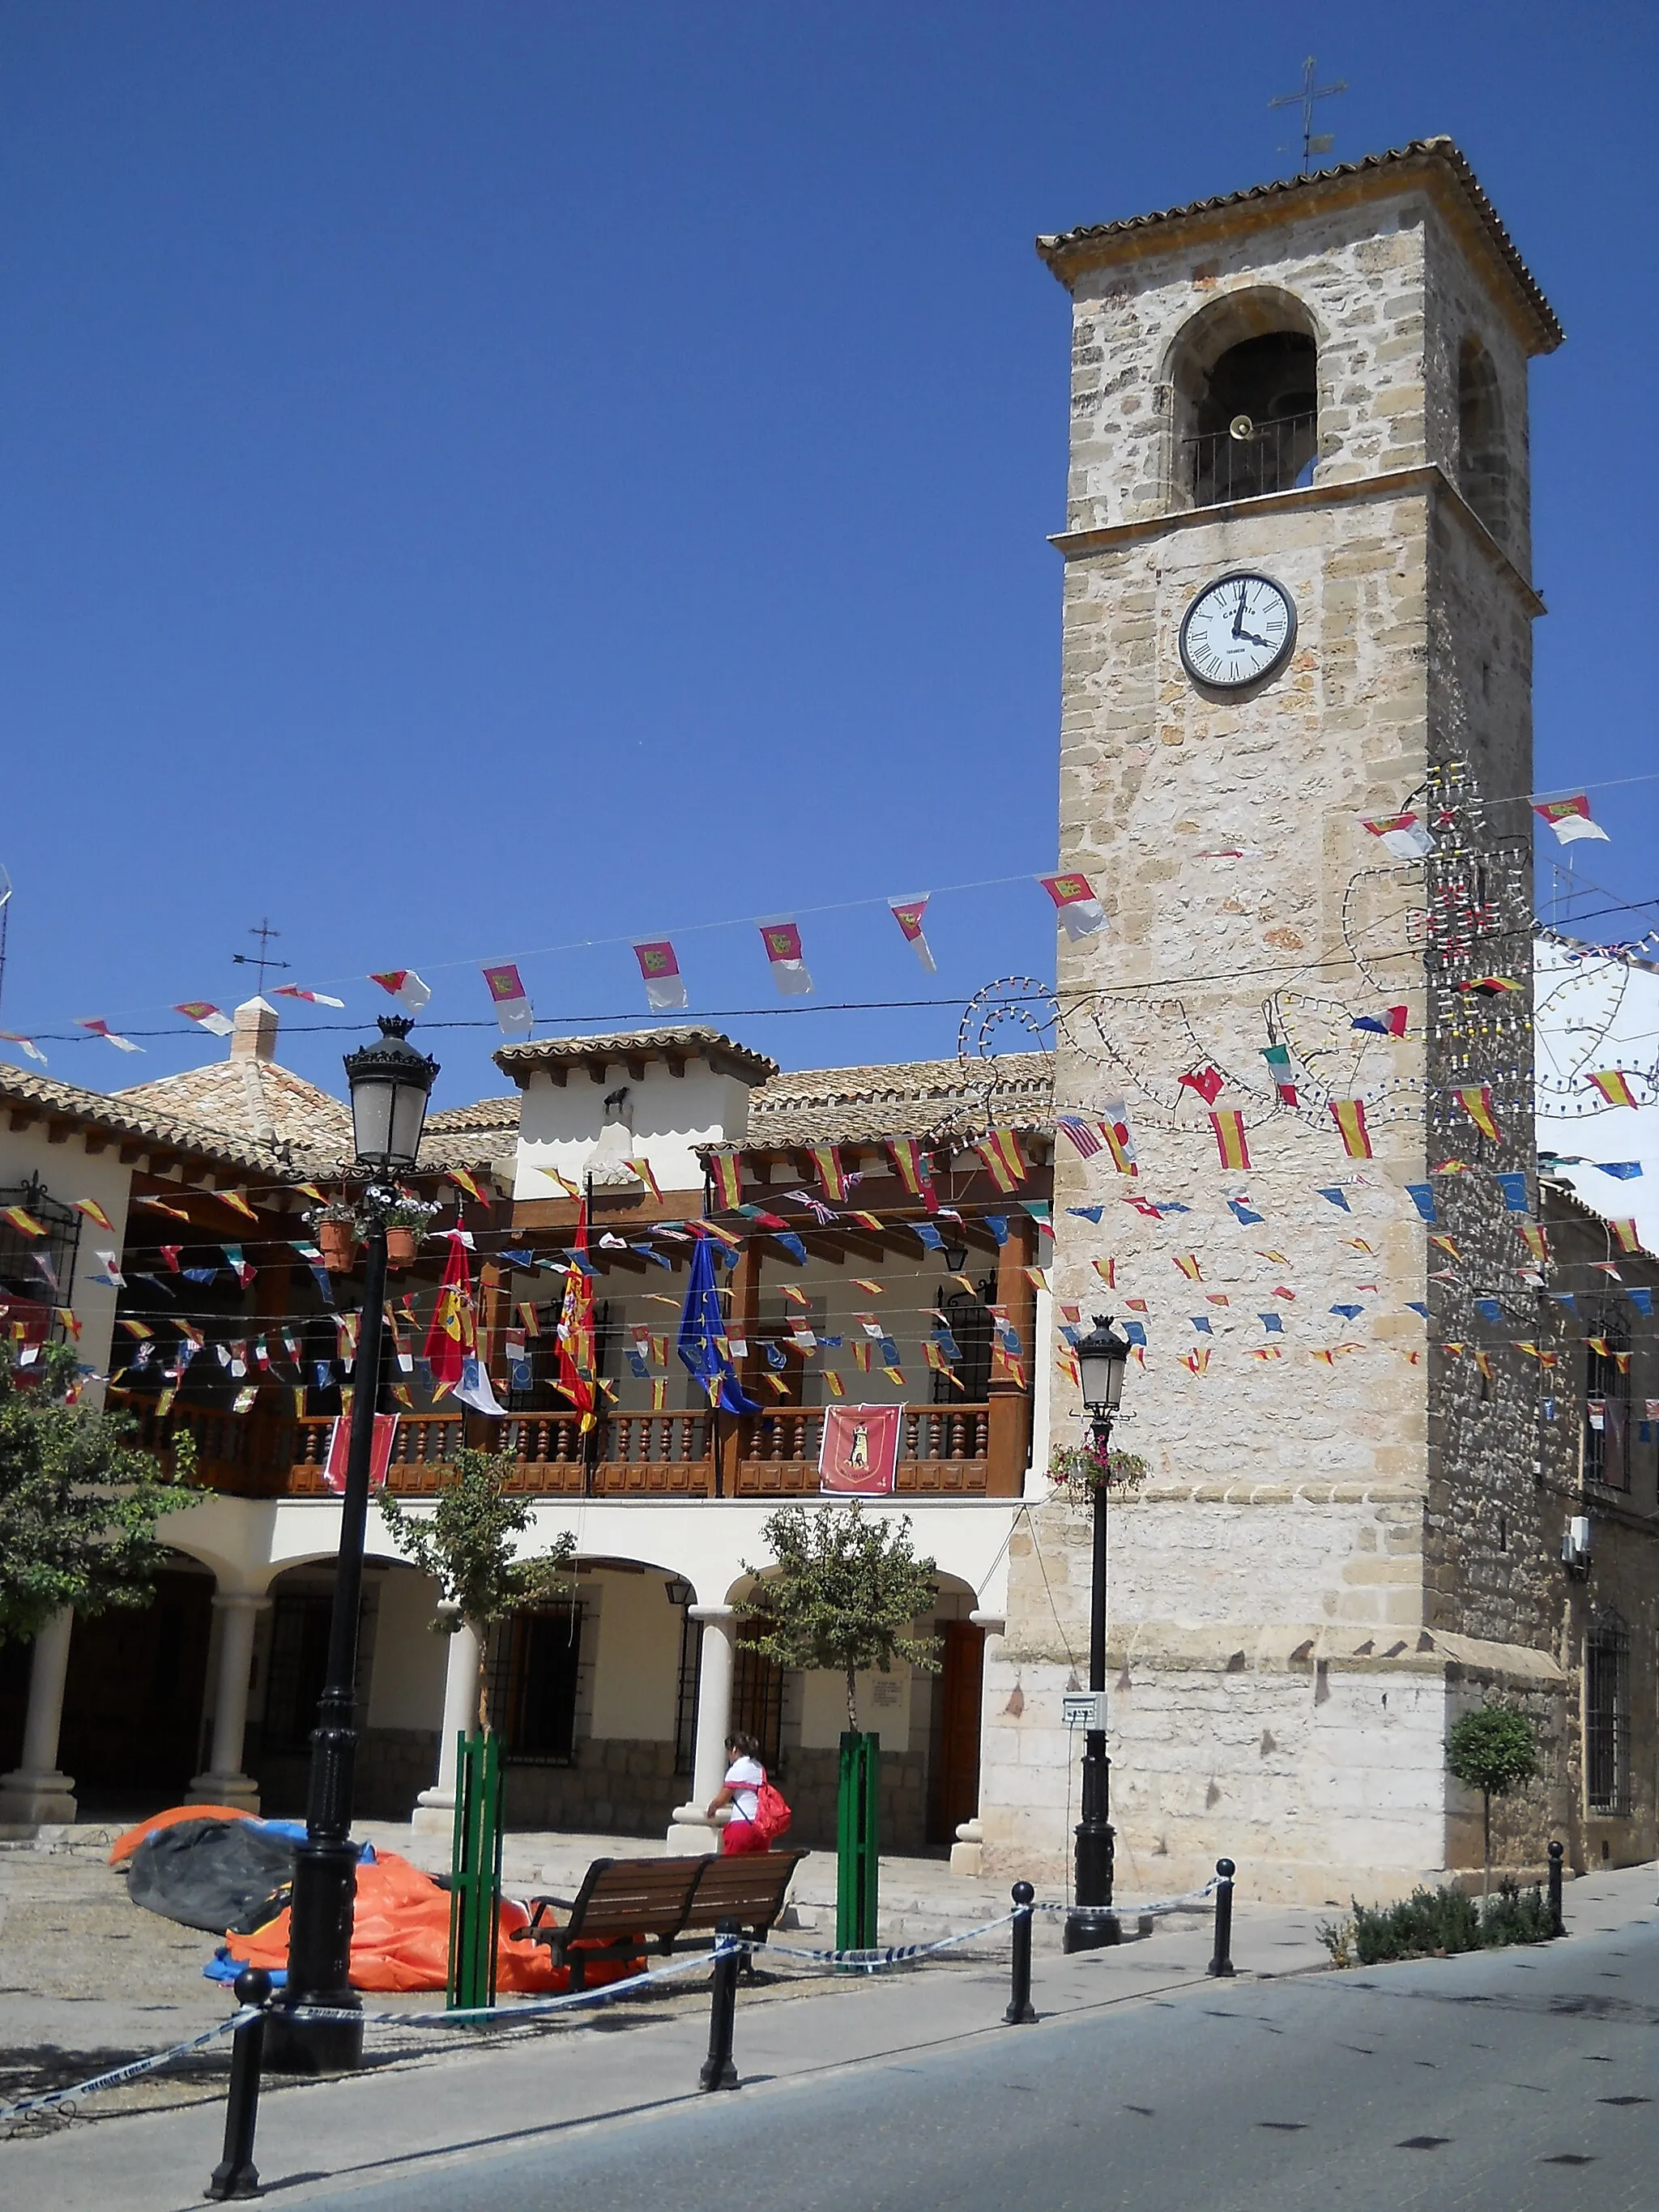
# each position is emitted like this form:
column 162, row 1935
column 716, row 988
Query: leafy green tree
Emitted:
column 466, row 1544
column 1491, row 1750
column 79, row 1501
column 842, row 1595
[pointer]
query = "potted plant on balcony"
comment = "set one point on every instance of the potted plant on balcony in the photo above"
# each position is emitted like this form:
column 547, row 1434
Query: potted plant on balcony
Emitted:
column 406, row 1223
column 337, row 1236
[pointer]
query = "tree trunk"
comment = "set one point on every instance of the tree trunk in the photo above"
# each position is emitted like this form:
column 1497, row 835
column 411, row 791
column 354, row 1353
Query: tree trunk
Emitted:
column 1486, row 1839
column 853, row 1699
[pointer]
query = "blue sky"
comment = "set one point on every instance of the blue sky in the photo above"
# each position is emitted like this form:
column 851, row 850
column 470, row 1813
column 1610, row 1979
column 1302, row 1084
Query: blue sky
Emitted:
column 474, row 480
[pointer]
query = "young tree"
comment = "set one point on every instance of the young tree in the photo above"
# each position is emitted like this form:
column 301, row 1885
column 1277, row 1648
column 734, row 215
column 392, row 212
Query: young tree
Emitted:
column 1491, row 1750
column 79, row 1502
column 843, row 1595
column 465, row 1544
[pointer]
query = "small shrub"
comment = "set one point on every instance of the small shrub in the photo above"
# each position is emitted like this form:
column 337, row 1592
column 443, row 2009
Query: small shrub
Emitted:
column 1434, row 1923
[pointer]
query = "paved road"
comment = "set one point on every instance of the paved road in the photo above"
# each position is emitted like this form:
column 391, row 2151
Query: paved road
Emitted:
column 1519, row 2082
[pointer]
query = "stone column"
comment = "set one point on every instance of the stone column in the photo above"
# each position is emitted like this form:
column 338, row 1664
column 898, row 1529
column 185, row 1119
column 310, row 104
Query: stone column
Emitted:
column 967, row 1852
column 224, row 1781
column 434, row 1808
column 35, row 1792
column 693, row 1831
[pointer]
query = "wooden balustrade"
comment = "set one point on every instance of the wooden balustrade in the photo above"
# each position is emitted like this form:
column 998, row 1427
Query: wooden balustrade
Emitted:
column 943, row 1452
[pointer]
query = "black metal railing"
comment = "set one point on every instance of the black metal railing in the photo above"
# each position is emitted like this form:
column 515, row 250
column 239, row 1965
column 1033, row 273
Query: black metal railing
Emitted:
column 1250, row 459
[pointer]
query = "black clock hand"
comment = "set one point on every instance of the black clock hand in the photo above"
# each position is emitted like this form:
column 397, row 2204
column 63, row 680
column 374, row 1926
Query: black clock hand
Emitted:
column 1238, row 612
column 1252, row 637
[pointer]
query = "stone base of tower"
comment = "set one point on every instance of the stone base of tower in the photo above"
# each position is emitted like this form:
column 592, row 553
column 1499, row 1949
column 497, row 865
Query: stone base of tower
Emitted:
column 1313, row 1759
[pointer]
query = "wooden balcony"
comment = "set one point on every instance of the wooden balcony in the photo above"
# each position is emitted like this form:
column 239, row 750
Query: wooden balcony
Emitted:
column 947, row 1451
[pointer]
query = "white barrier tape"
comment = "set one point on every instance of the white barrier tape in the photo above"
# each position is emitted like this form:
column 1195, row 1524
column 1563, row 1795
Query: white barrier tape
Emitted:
column 892, row 1954
column 117, row 2074
column 534, row 2009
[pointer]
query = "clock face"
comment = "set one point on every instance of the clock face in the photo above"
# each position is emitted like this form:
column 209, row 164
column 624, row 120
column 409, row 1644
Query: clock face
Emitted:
column 1237, row 630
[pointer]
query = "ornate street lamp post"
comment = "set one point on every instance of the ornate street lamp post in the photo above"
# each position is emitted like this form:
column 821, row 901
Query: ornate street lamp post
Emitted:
column 391, row 1083
column 1102, row 1356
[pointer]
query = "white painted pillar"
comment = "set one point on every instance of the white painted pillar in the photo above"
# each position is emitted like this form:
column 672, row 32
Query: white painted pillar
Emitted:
column 35, row 1792
column 967, row 1852
column 434, row 1808
column 692, row 1831
column 224, row 1781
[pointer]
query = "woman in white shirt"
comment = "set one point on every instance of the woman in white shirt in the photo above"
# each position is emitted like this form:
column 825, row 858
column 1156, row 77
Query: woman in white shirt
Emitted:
column 736, row 1802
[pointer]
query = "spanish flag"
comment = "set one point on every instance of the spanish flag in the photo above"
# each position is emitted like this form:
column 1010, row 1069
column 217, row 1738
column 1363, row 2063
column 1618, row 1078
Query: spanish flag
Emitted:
column 1000, row 1150
column 1475, row 1099
column 1198, row 1359
column 1625, row 1232
column 1349, row 1116
column 1230, row 1139
column 728, row 1180
column 1107, row 1271
column 833, row 1383
column 826, row 1159
column 22, row 1220
column 642, row 1170
column 237, row 1203
column 1614, row 1086
column 468, row 1184
column 1188, row 1263
column 92, row 1210
column 1536, row 1241
column 912, row 1170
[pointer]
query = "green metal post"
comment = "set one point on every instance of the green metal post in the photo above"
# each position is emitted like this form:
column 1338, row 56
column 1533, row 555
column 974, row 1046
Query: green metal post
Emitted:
column 858, row 1842
column 475, row 1873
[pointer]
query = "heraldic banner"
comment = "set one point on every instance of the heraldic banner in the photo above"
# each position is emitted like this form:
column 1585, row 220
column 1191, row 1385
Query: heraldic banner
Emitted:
column 859, row 1457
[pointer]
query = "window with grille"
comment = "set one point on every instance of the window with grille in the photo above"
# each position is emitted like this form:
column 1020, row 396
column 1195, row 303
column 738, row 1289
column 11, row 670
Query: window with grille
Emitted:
column 1607, row 1402
column 535, row 1674
column 757, row 1701
column 36, row 1273
column 299, row 1662
column 1607, row 1716
column 969, row 1320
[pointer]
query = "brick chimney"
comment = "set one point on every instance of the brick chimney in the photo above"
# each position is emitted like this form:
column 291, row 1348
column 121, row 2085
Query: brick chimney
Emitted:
column 254, row 1036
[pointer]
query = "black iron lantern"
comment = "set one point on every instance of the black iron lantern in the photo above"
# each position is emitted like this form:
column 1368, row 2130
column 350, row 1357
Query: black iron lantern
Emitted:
column 391, row 1083
column 1101, row 1357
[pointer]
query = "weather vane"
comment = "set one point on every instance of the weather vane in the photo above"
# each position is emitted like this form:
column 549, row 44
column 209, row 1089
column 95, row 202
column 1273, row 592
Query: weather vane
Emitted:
column 264, row 958
column 1304, row 100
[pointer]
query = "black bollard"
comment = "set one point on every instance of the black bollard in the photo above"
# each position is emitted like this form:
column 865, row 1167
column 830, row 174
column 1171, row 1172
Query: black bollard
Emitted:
column 1020, row 2007
column 1222, row 1963
column 1558, row 1925
column 236, row 2175
column 718, row 2071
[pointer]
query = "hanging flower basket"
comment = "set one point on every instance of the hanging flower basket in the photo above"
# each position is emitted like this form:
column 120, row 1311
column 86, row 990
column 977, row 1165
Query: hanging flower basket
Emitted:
column 402, row 1243
column 1078, row 1471
column 338, row 1242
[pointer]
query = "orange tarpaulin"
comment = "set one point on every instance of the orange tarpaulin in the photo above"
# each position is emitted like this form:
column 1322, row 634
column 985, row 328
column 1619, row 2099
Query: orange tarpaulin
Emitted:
column 124, row 1846
column 400, row 1939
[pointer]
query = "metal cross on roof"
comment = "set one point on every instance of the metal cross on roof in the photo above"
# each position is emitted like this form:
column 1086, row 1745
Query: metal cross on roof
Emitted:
column 1304, row 100
column 264, row 958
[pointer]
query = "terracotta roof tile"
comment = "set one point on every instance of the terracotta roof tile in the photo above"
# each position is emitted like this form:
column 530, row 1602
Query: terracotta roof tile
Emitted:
column 913, row 1098
column 641, row 1043
column 252, row 1099
column 117, row 1114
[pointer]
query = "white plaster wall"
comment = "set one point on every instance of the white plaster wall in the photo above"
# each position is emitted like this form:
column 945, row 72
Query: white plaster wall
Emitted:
column 69, row 1171
column 637, row 1676
column 407, row 1688
column 559, row 1124
column 709, row 1542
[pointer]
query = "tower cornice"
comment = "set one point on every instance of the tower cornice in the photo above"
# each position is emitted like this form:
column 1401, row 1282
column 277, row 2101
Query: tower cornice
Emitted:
column 1435, row 163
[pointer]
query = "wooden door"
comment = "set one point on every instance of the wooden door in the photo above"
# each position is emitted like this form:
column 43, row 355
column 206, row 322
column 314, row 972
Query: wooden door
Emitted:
column 955, row 1794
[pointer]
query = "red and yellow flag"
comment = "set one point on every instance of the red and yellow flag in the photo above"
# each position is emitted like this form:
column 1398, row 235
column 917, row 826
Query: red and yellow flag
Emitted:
column 1625, row 1232
column 1228, row 1128
column 642, row 1170
column 1349, row 1116
column 22, row 1220
column 575, row 1330
column 1198, row 1359
column 1535, row 1240
column 1000, row 1150
column 727, row 1175
column 451, row 1331
column 468, row 1184
column 1188, row 1263
column 1475, row 1099
column 1107, row 1271
column 237, row 1203
column 92, row 1210
column 912, row 1170
column 1614, row 1086
column 832, row 1177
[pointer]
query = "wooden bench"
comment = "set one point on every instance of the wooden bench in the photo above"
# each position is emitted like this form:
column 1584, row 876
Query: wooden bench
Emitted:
column 628, row 1906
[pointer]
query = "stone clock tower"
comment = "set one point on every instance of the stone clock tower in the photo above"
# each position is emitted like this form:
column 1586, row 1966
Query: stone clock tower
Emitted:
column 1297, row 601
